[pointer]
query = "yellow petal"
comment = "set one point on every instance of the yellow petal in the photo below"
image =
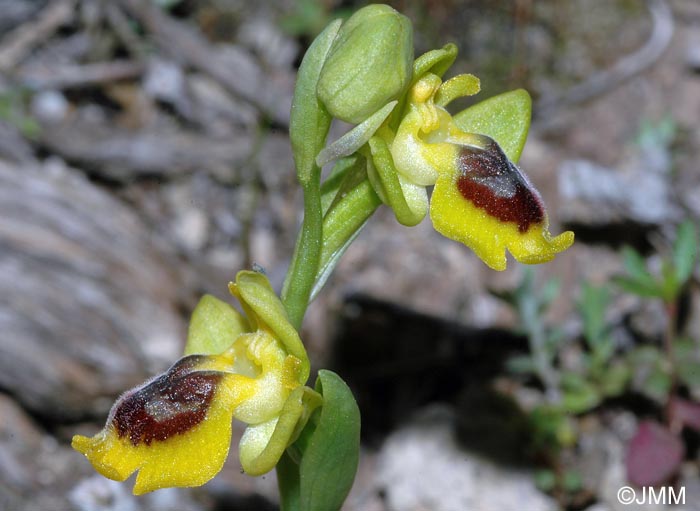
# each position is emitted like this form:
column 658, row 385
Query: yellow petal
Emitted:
column 487, row 204
column 175, row 429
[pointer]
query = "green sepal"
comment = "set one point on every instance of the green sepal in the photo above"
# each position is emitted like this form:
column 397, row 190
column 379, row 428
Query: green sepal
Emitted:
column 331, row 455
column 265, row 309
column 262, row 445
column 214, row 326
column 356, row 137
column 309, row 120
column 505, row 118
column 388, row 186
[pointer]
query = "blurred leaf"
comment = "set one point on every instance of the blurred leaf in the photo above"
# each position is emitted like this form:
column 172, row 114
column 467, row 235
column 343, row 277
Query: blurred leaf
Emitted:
column 689, row 373
column 614, row 380
column 545, row 480
column 555, row 338
column 592, row 305
column 670, row 285
column 330, row 458
column 685, row 251
column 636, row 266
column 213, row 327
column 657, row 385
column 654, row 455
column 548, row 293
column 579, row 395
column 505, row 118
column 551, row 428
column 572, row 481
column 639, row 288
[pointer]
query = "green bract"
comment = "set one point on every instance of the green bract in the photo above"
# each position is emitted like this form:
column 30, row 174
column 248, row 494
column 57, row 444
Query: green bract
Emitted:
column 369, row 64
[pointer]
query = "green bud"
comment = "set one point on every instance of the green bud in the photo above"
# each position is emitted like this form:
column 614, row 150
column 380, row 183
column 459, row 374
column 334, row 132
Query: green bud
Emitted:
column 369, row 64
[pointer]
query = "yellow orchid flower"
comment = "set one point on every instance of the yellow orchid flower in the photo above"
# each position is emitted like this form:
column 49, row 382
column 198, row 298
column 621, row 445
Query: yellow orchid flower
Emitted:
column 480, row 198
column 176, row 428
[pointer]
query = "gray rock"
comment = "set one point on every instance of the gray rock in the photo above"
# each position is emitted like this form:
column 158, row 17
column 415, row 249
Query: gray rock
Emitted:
column 592, row 195
column 88, row 296
column 421, row 466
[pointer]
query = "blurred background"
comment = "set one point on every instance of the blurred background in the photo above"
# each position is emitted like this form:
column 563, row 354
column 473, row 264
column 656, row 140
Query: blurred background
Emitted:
column 144, row 159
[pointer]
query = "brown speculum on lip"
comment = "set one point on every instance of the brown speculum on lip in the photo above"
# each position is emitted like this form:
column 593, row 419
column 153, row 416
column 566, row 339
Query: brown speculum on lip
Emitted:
column 171, row 404
column 492, row 183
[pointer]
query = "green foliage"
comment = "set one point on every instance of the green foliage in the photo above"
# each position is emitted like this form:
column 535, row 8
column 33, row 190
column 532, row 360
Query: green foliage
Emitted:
column 676, row 268
column 320, row 467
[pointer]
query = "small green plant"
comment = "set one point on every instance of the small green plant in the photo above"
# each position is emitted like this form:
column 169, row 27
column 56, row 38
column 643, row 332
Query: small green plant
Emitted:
column 604, row 372
column 175, row 430
column 660, row 373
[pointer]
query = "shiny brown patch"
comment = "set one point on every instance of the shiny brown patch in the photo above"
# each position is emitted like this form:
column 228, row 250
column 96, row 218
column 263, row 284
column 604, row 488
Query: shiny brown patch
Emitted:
column 171, row 404
column 492, row 183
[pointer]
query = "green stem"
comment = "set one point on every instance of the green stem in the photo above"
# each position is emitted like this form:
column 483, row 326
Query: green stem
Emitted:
column 307, row 253
column 671, row 307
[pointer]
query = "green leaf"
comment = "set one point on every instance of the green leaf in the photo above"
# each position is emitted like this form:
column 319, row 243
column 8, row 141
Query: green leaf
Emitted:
column 288, row 483
column 213, row 327
column 614, row 380
column 639, row 281
column 505, row 118
column 309, row 120
column 592, row 306
column 330, row 458
column 689, row 373
column 657, row 385
column 636, row 287
column 545, row 479
column 685, row 251
column 579, row 395
column 550, row 291
column 572, row 481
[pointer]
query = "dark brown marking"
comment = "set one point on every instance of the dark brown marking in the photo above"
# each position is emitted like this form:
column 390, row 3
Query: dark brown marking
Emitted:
column 168, row 405
column 492, row 183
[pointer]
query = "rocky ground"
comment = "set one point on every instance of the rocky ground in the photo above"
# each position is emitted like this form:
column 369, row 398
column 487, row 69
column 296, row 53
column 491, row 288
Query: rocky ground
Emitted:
column 140, row 168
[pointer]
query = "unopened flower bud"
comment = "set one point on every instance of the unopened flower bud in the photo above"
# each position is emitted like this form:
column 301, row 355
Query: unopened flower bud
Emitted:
column 369, row 64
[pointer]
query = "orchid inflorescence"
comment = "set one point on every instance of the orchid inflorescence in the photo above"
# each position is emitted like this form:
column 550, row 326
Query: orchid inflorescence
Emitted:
column 175, row 430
